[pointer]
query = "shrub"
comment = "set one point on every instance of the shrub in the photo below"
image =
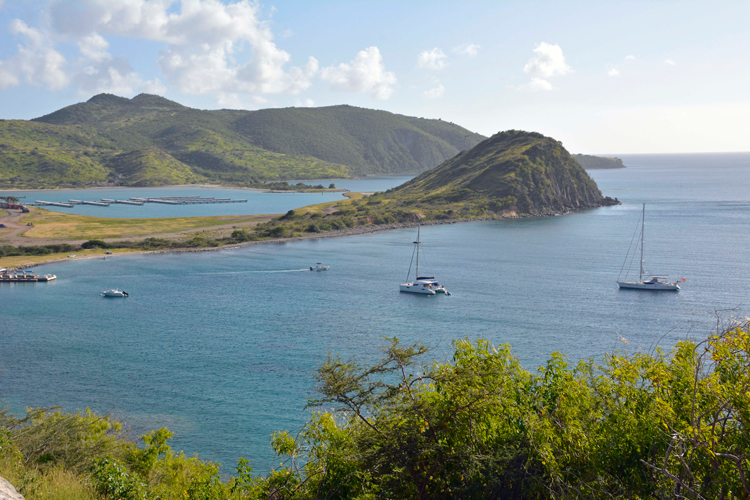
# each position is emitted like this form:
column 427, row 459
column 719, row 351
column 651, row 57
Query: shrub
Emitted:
column 94, row 244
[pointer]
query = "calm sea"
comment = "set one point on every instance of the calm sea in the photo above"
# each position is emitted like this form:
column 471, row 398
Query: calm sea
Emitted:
column 220, row 346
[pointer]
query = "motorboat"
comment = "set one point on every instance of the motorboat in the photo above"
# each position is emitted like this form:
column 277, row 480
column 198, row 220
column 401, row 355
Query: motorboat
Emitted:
column 114, row 293
column 654, row 282
column 427, row 285
column 319, row 267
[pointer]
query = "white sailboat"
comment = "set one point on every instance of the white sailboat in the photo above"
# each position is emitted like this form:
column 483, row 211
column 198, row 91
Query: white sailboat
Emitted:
column 655, row 282
column 427, row 285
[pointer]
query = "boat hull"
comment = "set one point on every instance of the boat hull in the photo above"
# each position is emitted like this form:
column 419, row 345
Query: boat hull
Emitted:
column 635, row 285
column 416, row 289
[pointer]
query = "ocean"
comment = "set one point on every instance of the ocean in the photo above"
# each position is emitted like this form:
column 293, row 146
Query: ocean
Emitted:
column 221, row 347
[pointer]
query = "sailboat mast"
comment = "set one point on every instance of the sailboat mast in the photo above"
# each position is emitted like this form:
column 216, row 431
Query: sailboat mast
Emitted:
column 417, row 243
column 643, row 228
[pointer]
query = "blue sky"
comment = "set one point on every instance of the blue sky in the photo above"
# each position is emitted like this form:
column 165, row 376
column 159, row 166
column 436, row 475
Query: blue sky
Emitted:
column 618, row 77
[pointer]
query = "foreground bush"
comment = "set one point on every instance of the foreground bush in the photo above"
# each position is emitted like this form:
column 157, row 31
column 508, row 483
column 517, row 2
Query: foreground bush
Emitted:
column 652, row 425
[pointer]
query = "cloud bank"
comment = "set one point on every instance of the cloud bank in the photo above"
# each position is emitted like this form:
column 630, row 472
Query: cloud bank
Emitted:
column 208, row 47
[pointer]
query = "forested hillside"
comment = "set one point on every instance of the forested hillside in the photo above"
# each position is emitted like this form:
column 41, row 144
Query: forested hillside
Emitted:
column 149, row 140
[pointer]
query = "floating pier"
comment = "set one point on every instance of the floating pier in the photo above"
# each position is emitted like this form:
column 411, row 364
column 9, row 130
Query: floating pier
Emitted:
column 52, row 204
column 166, row 200
column 24, row 277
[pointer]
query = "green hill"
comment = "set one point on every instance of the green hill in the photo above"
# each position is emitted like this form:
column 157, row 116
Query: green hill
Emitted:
column 150, row 140
column 590, row 162
column 513, row 171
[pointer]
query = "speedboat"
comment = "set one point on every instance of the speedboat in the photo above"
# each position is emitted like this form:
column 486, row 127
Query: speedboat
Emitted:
column 427, row 285
column 114, row 293
column 319, row 267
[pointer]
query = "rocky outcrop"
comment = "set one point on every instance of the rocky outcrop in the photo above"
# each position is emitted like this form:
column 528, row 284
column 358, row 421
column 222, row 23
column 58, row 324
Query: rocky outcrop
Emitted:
column 8, row 492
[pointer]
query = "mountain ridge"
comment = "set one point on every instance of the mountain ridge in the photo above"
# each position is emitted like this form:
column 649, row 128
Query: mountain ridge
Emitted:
column 150, row 140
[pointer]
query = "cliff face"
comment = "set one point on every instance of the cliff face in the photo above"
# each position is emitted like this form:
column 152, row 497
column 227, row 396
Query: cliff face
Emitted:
column 524, row 172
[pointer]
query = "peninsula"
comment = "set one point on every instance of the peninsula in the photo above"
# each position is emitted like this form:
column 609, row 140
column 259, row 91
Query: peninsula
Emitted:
column 590, row 162
column 511, row 174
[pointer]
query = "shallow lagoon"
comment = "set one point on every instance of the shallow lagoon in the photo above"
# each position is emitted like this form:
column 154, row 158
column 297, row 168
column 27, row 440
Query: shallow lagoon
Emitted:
column 220, row 346
column 258, row 202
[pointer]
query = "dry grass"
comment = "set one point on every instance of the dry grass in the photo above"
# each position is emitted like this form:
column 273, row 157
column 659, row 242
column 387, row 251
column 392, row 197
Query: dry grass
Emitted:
column 55, row 225
column 20, row 260
column 55, row 484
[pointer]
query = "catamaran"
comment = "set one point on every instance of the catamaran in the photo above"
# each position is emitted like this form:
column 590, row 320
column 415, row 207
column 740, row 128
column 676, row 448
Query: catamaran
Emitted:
column 655, row 282
column 422, row 284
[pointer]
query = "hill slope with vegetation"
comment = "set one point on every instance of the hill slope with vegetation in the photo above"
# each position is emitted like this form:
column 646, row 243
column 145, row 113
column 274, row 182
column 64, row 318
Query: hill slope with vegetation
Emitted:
column 522, row 172
column 511, row 174
column 150, row 141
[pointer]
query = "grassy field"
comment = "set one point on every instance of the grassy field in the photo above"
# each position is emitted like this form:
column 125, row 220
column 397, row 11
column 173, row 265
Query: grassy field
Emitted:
column 56, row 225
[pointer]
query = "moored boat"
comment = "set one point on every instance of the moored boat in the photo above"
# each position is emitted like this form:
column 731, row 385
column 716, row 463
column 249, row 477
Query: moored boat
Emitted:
column 114, row 293
column 427, row 285
column 655, row 282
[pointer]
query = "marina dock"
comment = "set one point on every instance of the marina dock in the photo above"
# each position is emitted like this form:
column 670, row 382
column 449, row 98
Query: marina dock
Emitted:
column 24, row 277
column 39, row 203
column 166, row 200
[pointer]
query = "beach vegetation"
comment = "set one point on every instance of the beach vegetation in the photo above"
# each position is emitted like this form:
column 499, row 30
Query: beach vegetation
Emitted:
column 658, row 425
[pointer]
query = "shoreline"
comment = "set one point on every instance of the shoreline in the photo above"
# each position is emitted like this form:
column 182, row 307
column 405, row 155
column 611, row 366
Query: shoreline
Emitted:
column 338, row 233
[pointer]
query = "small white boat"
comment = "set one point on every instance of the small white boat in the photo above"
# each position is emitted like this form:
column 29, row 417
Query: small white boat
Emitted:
column 114, row 293
column 427, row 285
column 655, row 282
column 319, row 267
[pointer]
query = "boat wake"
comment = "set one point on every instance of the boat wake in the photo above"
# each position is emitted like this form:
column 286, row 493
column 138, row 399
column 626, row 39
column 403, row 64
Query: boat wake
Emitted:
column 260, row 272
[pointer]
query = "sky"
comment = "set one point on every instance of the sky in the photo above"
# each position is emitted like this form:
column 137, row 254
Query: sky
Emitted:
column 602, row 77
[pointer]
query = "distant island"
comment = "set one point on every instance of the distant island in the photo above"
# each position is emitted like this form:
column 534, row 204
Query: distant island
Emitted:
column 590, row 162
column 151, row 141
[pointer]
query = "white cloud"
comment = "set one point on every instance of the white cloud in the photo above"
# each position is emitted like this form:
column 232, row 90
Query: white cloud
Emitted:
column 536, row 84
column 613, row 72
column 114, row 76
column 630, row 57
column 432, row 59
column 94, row 47
column 547, row 61
column 206, row 41
column 307, row 103
column 36, row 63
column 669, row 62
column 467, row 49
column 434, row 93
column 366, row 73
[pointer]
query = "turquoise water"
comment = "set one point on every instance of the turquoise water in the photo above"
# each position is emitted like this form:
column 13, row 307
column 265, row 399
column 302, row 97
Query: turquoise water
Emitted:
column 258, row 202
column 220, row 346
